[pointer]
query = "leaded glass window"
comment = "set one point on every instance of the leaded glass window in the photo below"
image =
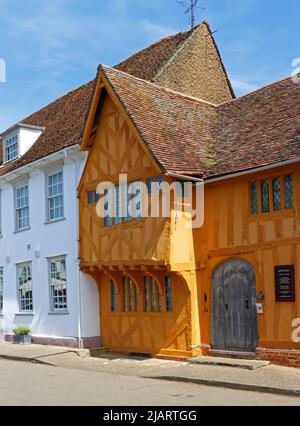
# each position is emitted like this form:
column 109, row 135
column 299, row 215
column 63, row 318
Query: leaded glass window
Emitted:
column 108, row 208
column 130, row 295
column 265, row 196
column 168, row 293
column 152, row 295
column 25, row 287
column 125, row 308
column 254, row 198
column 276, row 194
column 146, row 295
column 288, row 192
column 113, row 293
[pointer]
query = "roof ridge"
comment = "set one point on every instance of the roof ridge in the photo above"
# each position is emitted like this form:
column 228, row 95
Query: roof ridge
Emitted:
column 191, row 30
column 179, row 49
column 164, row 89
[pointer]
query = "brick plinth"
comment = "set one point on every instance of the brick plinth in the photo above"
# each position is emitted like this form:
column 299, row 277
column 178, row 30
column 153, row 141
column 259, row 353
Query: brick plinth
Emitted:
column 284, row 357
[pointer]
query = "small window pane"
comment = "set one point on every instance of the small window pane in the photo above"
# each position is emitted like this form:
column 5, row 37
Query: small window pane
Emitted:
column 125, row 295
column 113, row 297
column 277, row 194
column 90, row 197
column 153, row 296
column 146, row 294
column 265, row 197
column 254, row 198
column 288, row 192
column 168, row 293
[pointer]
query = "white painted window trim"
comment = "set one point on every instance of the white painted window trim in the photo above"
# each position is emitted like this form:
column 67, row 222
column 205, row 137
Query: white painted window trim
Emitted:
column 52, row 310
column 52, row 172
column 24, row 312
column 12, row 135
column 17, row 186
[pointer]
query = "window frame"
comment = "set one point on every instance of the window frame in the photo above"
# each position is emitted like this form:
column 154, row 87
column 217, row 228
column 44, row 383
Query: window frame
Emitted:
column 52, row 197
column 19, row 186
column 52, row 309
column 18, row 267
column 5, row 147
column 270, row 180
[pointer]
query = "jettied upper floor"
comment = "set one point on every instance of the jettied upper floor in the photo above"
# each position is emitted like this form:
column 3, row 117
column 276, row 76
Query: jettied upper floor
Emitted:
column 144, row 131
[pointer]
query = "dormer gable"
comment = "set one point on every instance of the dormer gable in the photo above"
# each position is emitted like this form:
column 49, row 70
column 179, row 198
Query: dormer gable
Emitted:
column 18, row 139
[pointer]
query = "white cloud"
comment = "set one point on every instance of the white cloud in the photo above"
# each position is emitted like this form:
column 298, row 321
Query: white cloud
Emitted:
column 242, row 86
column 157, row 30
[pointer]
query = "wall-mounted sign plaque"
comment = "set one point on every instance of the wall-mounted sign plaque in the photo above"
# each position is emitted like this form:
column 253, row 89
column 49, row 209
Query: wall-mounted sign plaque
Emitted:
column 285, row 283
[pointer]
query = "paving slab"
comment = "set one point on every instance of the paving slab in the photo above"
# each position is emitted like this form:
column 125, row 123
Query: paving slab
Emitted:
column 270, row 379
column 230, row 362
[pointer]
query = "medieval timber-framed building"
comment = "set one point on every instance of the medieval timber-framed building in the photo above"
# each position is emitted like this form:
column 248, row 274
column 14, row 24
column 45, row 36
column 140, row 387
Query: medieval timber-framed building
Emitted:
column 232, row 285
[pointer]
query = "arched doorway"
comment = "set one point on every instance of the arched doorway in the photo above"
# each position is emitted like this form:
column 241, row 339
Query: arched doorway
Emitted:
column 234, row 318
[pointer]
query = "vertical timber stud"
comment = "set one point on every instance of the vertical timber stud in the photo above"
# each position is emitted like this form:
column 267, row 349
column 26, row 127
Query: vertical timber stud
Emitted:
column 190, row 278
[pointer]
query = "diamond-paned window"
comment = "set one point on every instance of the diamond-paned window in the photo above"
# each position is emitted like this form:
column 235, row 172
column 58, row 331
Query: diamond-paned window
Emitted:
column 288, row 192
column 113, row 293
column 265, row 197
column 276, row 194
column 254, row 198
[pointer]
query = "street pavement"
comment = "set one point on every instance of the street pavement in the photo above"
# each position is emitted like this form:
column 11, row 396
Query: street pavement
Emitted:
column 33, row 384
column 252, row 376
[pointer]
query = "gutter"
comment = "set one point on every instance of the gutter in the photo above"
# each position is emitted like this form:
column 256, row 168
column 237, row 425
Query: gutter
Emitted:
column 184, row 177
column 251, row 171
column 38, row 164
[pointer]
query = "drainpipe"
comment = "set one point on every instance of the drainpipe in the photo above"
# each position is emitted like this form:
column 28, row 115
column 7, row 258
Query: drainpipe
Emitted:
column 79, row 304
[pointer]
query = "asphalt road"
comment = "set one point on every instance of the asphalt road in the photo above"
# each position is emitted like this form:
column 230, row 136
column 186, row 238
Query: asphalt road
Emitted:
column 31, row 384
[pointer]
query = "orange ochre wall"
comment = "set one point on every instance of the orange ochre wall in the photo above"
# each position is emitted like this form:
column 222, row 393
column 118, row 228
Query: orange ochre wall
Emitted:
column 264, row 240
column 167, row 246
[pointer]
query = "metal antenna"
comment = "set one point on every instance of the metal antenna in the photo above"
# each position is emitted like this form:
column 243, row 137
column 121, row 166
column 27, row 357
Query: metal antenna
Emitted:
column 191, row 8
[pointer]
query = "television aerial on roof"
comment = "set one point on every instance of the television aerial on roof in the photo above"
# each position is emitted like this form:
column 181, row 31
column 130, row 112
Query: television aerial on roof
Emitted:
column 191, row 8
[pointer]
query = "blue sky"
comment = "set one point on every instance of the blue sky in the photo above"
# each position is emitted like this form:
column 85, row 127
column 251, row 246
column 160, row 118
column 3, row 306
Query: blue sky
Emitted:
column 53, row 46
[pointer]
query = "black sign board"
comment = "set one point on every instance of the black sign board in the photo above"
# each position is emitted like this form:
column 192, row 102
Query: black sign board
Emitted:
column 285, row 283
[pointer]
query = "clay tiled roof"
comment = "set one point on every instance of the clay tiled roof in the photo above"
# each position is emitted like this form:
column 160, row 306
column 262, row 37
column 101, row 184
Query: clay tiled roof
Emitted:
column 190, row 136
column 64, row 119
column 258, row 129
column 176, row 128
column 148, row 62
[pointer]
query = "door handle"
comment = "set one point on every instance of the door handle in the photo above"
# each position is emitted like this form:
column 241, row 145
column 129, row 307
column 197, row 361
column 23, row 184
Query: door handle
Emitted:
column 226, row 306
column 247, row 304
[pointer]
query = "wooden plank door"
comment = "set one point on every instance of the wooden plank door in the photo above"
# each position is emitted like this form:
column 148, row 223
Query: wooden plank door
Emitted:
column 234, row 321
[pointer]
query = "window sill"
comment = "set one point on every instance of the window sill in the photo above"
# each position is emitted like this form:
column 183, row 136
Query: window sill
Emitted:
column 49, row 222
column 288, row 213
column 59, row 313
column 22, row 230
column 24, row 314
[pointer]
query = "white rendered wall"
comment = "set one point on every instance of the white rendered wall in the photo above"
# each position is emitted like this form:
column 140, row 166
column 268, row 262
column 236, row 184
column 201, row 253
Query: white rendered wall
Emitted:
column 27, row 137
column 48, row 240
